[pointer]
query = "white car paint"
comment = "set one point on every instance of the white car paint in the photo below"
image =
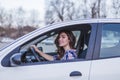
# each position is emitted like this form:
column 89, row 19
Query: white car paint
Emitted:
column 103, row 69
column 59, row 71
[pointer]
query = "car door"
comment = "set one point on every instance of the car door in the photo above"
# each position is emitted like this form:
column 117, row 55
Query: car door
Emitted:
column 106, row 63
column 77, row 69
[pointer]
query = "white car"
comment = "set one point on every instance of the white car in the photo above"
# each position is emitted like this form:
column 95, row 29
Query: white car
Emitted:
column 97, row 46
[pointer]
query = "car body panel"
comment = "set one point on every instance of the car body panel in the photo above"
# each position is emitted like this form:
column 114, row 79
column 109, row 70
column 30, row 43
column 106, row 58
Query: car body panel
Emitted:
column 91, row 68
column 105, row 69
column 40, row 71
column 59, row 71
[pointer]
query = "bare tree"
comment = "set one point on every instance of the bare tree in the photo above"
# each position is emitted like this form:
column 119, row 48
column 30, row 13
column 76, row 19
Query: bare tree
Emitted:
column 20, row 15
column 49, row 17
column 98, row 9
column 101, row 9
column 99, row 5
column 60, row 10
column 2, row 16
column 70, row 10
column 85, row 9
column 14, row 21
column 20, row 20
column 116, row 8
column 33, row 19
column 103, row 12
column 9, row 19
column 94, row 10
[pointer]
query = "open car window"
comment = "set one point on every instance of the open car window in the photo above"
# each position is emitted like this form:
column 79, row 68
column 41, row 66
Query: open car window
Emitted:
column 45, row 42
column 48, row 44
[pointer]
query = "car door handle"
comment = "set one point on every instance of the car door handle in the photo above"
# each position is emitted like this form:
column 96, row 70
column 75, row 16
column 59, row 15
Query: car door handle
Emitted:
column 75, row 73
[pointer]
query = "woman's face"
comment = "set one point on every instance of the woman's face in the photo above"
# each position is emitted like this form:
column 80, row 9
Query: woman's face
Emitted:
column 63, row 40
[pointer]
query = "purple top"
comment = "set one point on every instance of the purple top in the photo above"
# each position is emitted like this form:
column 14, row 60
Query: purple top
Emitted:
column 69, row 54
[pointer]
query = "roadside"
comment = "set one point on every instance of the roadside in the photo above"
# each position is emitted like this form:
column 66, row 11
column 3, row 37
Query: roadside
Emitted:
column 3, row 44
column 4, row 41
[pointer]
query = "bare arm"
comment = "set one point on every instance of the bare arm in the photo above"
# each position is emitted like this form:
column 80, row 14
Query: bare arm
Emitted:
column 46, row 56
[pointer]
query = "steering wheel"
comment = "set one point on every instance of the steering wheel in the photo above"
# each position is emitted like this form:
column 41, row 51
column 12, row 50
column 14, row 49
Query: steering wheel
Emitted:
column 35, row 54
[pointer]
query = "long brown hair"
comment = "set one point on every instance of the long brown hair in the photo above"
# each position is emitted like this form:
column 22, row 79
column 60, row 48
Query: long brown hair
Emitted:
column 72, row 39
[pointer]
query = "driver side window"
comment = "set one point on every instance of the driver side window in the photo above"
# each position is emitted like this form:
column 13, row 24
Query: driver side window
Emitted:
column 23, row 53
column 48, row 46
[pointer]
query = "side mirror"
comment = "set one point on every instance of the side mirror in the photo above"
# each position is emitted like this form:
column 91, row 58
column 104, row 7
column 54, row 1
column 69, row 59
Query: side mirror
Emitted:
column 15, row 59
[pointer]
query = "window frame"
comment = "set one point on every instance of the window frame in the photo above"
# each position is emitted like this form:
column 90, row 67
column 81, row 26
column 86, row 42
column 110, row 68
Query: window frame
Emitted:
column 96, row 54
column 88, row 54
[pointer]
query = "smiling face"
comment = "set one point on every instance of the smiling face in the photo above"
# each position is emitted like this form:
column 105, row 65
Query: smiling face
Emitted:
column 63, row 40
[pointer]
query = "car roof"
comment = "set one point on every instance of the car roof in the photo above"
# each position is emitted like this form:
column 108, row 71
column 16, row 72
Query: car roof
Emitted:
column 106, row 20
column 83, row 21
column 78, row 21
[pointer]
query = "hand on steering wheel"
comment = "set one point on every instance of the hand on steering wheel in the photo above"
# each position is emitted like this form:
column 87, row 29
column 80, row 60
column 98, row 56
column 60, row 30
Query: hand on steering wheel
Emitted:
column 36, row 55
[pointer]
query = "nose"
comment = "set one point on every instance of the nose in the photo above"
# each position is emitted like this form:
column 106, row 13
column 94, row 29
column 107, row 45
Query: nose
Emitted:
column 60, row 39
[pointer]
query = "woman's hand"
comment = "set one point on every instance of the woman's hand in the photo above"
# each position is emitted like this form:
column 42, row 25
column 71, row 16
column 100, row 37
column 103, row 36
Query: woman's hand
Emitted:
column 46, row 56
column 35, row 47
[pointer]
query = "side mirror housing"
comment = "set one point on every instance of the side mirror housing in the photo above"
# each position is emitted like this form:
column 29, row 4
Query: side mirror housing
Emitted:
column 15, row 59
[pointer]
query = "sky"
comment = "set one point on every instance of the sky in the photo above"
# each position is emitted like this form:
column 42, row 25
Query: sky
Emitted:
column 38, row 5
column 25, row 4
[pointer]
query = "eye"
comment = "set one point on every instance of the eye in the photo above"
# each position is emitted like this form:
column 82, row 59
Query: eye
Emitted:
column 63, row 36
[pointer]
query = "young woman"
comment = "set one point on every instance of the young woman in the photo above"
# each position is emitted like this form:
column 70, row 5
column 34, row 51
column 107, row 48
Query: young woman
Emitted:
column 65, row 42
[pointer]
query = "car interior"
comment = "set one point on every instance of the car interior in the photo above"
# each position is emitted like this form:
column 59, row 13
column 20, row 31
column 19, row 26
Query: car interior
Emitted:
column 27, row 55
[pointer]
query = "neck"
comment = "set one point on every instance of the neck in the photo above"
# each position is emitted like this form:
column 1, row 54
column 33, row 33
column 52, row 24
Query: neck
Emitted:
column 67, row 48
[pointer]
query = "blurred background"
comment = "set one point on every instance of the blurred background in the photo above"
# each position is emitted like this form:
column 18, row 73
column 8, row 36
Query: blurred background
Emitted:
column 19, row 17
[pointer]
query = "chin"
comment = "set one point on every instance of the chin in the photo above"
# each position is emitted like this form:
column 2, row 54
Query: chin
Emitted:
column 61, row 45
